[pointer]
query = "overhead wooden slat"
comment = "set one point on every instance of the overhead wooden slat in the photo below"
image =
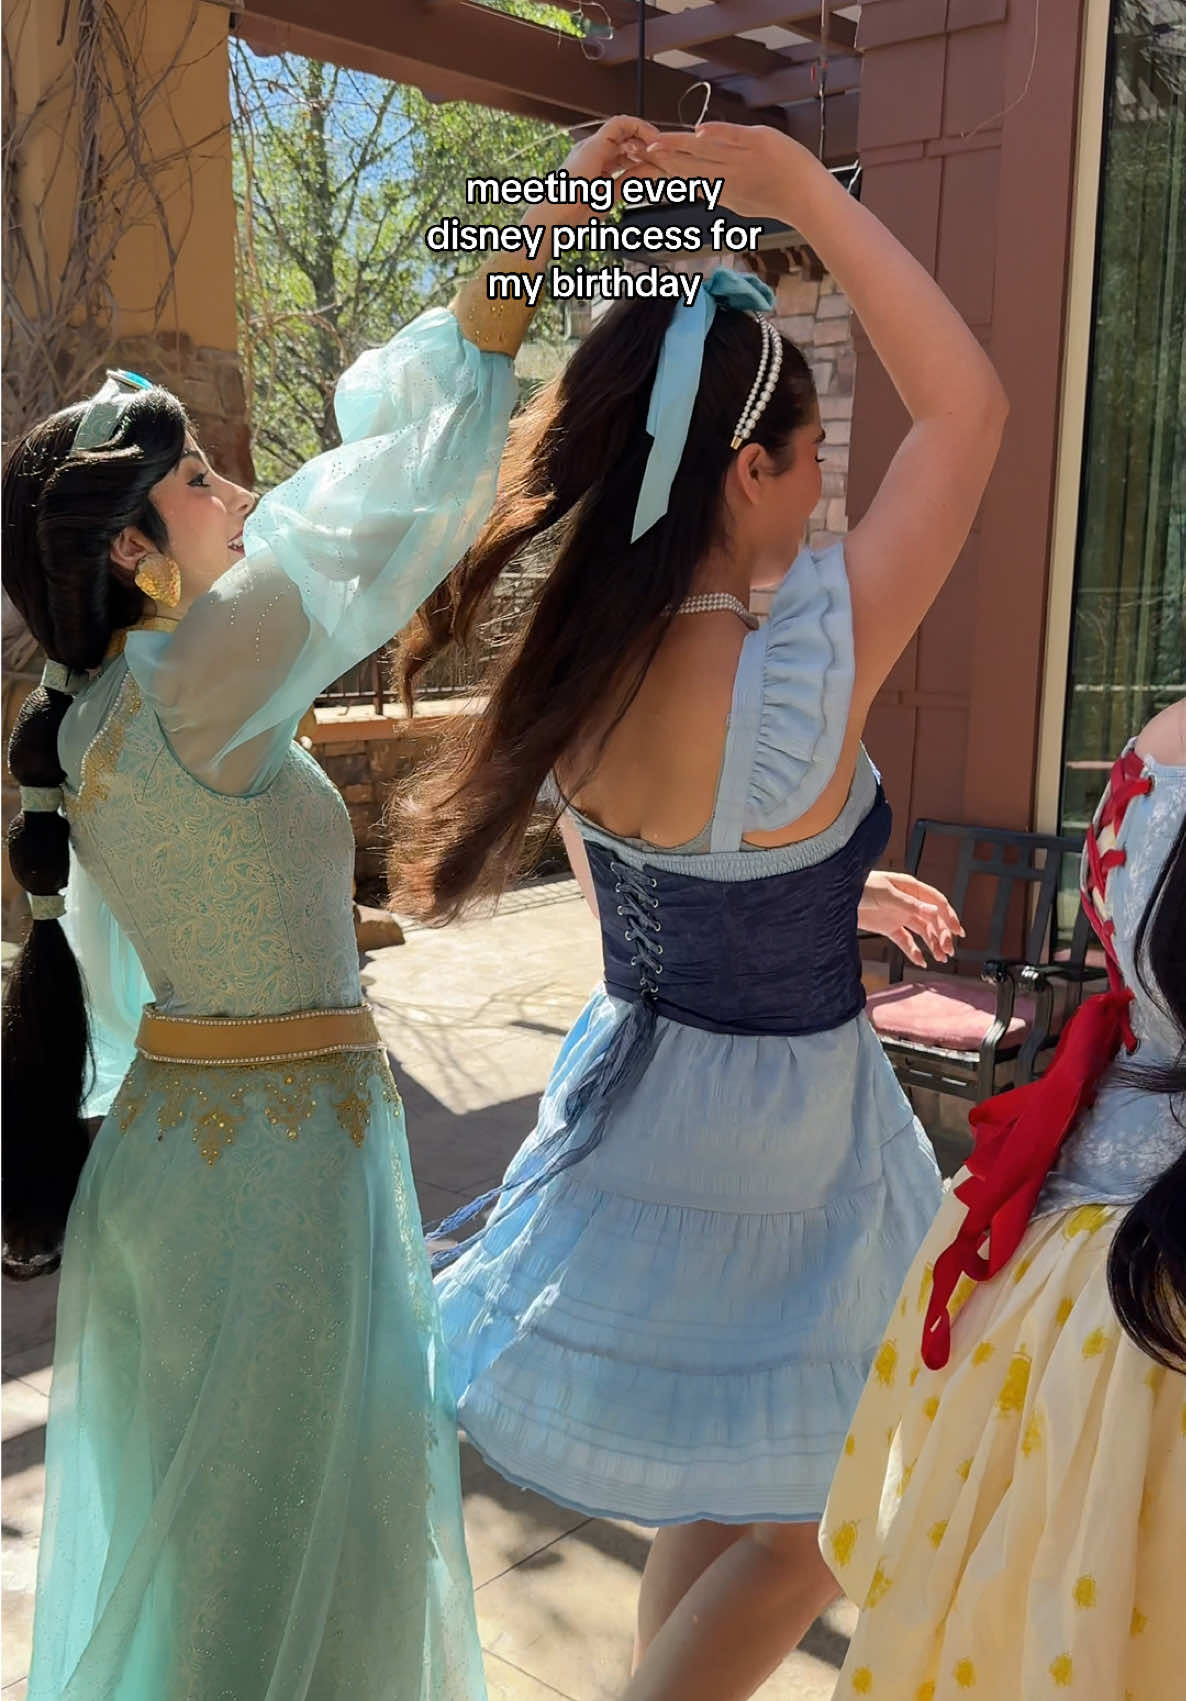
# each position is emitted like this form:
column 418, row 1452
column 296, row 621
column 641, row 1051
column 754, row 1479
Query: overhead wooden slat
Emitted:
column 701, row 24
column 800, row 82
column 459, row 50
column 266, row 36
column 733, row 52
column 504, row 60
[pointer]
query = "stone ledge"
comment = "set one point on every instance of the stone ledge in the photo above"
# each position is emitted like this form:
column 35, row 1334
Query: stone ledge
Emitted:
column 359, row 722
column 376, row 929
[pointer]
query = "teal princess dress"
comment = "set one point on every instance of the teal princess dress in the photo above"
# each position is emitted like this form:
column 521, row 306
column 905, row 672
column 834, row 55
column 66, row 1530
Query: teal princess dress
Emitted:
column 252, row 1485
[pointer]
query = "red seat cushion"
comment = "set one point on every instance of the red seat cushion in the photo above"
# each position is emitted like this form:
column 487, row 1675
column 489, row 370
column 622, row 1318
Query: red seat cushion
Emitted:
column 1093, row 958
column 952, row 1011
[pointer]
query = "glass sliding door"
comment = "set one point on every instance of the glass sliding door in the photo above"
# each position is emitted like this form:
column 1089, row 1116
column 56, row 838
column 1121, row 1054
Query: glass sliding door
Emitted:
column 1128, row 650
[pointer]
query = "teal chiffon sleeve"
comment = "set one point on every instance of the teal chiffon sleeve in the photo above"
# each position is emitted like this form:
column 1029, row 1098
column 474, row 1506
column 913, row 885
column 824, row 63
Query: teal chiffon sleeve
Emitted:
column 338, row 557
column 116, row 987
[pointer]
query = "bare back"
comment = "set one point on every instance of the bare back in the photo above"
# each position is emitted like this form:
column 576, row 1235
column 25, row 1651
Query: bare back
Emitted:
column 657, row 776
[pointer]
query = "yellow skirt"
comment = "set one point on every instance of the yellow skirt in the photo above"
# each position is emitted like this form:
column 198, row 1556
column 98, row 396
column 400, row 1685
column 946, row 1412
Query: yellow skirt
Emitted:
column 1013, row 1524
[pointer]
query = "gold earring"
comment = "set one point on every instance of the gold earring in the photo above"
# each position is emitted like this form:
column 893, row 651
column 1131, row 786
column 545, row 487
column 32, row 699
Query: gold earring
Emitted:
column 159, row 577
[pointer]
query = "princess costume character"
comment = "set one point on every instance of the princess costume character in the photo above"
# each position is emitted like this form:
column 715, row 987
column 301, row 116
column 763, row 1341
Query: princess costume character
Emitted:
column 1011, row 1498
column 252, row 1482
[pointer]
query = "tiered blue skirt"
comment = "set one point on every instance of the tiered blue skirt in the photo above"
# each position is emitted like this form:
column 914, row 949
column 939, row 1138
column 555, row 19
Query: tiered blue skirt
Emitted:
column 679, row 1326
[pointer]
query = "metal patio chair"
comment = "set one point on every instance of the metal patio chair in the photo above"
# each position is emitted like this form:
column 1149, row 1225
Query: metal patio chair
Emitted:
column 962, row 1026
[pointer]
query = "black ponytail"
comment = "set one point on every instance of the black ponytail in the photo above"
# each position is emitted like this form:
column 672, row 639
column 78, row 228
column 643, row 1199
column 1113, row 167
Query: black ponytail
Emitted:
column 1147, row 1260
column 45, row 1063
column 61, row 512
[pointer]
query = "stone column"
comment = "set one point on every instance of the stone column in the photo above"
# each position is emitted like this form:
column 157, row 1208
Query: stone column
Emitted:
column 814, row 313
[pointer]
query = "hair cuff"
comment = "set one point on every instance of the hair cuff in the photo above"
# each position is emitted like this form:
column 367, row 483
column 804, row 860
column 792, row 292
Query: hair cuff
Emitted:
column 41, row 800
column 56, row 676
column 46, row 908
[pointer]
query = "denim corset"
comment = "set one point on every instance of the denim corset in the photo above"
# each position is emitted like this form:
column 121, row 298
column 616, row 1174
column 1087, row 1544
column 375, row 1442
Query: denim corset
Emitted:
column 776, row 955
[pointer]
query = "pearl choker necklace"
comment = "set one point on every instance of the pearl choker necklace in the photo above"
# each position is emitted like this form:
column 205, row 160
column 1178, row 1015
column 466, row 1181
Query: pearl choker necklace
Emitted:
column 717, row 602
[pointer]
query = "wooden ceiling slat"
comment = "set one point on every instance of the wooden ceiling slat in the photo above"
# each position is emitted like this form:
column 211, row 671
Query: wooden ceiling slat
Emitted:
column 500, row 54
column 750, row 58
column 799, row 82
column 700, row 24
column 265, row 36
column 459, row 50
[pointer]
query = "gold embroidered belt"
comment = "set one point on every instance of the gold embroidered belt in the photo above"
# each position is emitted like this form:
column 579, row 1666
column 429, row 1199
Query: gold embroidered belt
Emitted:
column 230, row 1040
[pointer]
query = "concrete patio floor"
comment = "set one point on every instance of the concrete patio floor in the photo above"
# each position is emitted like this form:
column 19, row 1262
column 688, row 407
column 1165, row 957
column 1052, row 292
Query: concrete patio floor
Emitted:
column 473, row 1017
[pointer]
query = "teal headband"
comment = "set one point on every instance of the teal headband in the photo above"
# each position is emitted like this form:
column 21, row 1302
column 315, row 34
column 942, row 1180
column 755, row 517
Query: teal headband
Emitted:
column 677, row 378
column 105, row 406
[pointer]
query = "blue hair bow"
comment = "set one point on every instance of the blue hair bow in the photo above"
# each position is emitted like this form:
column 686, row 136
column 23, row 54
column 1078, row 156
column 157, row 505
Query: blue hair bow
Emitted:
column 677, row 378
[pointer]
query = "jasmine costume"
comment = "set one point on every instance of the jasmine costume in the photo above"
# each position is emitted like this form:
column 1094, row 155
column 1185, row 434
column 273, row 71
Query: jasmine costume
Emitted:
column 252, row 1484
column 671, row 1312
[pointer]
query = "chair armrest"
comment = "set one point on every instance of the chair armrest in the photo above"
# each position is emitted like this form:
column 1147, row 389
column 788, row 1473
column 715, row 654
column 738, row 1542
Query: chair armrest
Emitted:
column 996, row 974
column 1034, row 975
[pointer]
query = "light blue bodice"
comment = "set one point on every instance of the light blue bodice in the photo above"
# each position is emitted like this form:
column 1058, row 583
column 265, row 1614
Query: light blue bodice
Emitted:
column 788, row 719
column 831, row 1099
column 235, row 906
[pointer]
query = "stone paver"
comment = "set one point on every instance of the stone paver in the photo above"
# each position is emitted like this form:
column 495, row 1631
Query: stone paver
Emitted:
column 473, row 1016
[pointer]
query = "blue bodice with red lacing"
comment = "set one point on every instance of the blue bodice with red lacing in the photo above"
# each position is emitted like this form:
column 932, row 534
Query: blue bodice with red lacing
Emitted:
column 1126, row 1138
column 1080, row 1134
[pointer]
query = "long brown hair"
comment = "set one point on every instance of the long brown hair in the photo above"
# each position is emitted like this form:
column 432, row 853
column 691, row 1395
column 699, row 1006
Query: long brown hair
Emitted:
column 575, row 455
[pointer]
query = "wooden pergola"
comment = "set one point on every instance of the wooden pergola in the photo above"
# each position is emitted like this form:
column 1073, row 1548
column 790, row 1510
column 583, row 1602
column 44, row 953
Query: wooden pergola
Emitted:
column 788, row 63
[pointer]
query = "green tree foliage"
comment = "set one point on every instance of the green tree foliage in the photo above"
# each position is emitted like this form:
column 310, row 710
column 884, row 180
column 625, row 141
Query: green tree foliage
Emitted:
column 337, row 177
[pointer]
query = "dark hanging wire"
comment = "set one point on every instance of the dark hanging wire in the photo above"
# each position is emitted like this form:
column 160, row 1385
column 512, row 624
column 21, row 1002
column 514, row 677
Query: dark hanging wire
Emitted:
column 640, row 99
column 822, row 76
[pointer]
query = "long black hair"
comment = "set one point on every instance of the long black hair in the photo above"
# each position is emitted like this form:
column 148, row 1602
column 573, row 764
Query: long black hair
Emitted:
column 1147, row 1260
column 62, row 509
column 576, row 455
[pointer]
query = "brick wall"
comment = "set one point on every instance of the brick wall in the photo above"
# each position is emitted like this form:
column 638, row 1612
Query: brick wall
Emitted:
column 815, row 315
column 977, row 183
column 209, row 381
column 367, row 756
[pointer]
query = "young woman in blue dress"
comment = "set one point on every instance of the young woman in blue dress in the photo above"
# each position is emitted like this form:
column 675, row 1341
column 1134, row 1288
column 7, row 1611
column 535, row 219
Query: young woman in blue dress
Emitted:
column 671, row 1311
column 251, row 1465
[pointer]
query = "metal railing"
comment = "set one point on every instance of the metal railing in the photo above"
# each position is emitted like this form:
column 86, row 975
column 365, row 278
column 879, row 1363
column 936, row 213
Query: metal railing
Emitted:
column 454, row 674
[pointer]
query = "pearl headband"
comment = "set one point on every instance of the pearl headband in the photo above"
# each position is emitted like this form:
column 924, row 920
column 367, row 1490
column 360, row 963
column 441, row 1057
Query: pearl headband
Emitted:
column 769, row 367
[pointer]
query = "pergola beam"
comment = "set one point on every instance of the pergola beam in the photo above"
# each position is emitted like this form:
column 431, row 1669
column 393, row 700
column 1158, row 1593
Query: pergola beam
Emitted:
column 699, row 25
column 732, row 53
column 801, row 82
column 500, row 60
column 265, row 36
column 458, row 50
